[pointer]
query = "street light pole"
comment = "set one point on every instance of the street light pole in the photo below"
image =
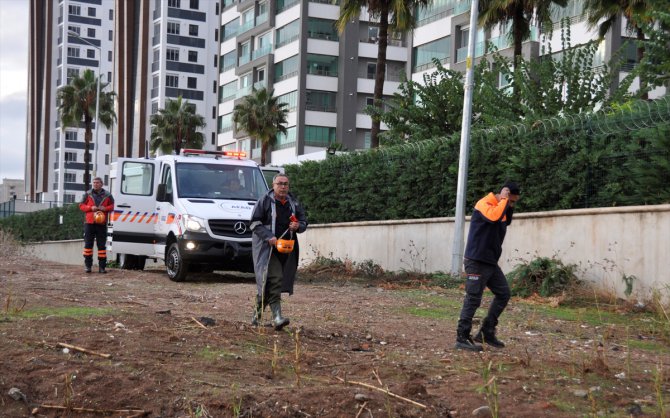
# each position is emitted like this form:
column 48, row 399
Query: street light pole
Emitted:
column 97, row 101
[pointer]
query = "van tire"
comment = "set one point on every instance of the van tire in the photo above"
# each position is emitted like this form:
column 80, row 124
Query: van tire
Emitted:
column 141, row 261
column 127, row 261
column 175, row 265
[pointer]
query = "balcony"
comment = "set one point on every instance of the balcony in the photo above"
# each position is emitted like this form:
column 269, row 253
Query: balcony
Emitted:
column 261, row 52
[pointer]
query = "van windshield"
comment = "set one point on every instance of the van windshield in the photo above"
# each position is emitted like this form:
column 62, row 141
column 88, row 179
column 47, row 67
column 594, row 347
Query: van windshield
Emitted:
column 216, row 181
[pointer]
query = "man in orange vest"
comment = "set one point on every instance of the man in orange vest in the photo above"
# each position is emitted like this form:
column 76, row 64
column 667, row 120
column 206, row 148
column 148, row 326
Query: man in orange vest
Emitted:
column 488, row 226
column 97, row 203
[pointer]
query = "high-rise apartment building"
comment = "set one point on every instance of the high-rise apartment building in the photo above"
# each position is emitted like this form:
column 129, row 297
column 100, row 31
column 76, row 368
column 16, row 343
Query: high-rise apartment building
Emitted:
column 325, row 77
column 149, row 51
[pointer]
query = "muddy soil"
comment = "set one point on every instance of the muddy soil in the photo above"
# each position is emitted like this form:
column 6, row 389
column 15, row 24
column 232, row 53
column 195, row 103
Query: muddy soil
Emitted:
column 354, row 348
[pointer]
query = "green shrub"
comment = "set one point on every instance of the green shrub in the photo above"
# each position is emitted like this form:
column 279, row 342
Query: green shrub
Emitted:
column 45, row 225
column 544, row 276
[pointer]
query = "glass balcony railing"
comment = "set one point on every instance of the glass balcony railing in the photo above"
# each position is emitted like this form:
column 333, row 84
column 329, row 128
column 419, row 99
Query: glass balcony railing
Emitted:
column 244, row 59
column 261, row 52
column 499, row 42
column 462, row 7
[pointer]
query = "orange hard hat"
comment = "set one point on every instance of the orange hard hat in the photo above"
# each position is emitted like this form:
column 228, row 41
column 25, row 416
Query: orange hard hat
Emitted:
column 99, row 217
column 285, row 246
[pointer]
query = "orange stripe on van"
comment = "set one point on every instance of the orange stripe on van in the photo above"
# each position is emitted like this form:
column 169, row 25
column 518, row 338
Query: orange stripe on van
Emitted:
column 116, row 214
column 134, row 216
column 170, row 218
column 142, row 218
column 125, row 217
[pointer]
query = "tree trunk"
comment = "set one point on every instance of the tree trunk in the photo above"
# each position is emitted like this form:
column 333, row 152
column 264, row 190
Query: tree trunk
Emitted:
column 264, row 150
column 518, row 36
column 640, row 56
column 380, row 73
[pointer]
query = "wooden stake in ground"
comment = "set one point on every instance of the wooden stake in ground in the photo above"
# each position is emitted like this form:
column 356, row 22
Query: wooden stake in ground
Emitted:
column 83, row 350
column 135, row 412
column 388, row 392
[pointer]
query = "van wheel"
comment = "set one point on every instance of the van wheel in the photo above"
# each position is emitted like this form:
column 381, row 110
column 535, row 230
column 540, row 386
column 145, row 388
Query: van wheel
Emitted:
column 127, row 261
column 175, row 265
column 139, row 264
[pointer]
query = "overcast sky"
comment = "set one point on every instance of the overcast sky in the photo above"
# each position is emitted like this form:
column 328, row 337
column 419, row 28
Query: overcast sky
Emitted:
column 14, row 25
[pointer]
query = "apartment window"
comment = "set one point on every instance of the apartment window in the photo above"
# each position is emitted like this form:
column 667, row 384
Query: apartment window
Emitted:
column 320, row 101
column 71, row 157
column 106, row 179
column 107, row 138
column 192, row 56
column 191, row 82
column 91, row 11
column 70, row 136
column 291, row 99
column 68, row 198
column 213, row 138
column 322, row 29
column 228, row 92
column 215, row 60
column 286, row 141
column 287, row 34
column 173, row 28
column 172, row 54
column 260, row 75
column 320, row 136
column 111, row 14
column 90, row 53
column 72, row 73
column 70, row 177
column 228, row 61
column 325, row 65
column 369, row 101
column 72, row 52
column 74, row 10
column 172, row 80
column 109, row 56
column 154, row 108
column 111, row 35
column 75, row 29
column 214, row 86
column 225, row 123
column 372, row 70
column 193, row 30
column 109, row 76
column 213, row 112
column 106, row 159
column 194, row 4
column 422, row 55
column 90, row 32
column 174, row 3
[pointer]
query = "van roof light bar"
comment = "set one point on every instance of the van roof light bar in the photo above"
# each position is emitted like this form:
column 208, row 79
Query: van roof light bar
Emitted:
column 190, row 151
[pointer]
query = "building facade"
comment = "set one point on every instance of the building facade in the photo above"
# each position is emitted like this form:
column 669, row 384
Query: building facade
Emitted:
column 148, row 51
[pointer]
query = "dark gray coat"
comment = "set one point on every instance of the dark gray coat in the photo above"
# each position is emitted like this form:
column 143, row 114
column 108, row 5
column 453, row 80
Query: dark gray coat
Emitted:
column 263, row 228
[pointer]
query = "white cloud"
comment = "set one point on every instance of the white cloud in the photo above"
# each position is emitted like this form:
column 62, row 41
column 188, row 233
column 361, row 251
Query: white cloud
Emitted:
column 14, row 25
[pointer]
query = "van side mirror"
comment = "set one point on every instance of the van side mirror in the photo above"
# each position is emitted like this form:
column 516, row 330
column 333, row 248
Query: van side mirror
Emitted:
column 161, row 193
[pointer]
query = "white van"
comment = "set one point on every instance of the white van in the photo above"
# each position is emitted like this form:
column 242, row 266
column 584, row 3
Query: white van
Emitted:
column 191, row 210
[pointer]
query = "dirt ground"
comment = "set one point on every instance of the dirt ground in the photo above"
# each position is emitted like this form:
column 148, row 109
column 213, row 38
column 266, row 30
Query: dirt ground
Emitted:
column 355, row 348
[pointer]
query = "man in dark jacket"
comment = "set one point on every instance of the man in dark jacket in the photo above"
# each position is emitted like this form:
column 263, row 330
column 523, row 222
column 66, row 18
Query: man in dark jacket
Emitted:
column 488, row 226
column 278, row 214
column 94, row 201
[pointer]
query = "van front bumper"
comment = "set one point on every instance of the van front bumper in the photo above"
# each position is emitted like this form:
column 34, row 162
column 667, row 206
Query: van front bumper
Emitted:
column 198, row 248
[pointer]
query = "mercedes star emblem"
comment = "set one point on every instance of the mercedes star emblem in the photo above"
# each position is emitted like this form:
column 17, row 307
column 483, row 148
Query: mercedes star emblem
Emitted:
column 240, row 228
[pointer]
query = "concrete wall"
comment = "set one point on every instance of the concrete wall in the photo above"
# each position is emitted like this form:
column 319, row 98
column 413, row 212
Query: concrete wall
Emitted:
column 605, row 243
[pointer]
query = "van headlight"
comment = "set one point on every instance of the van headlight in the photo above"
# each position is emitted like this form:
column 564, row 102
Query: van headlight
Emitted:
column 193, row 223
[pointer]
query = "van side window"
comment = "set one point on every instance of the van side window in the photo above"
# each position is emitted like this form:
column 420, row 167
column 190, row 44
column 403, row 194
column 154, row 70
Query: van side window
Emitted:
column 137, row 178
column 167, row 179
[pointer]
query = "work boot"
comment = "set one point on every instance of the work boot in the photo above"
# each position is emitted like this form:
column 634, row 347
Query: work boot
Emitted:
column 258, row 313
column 464, row 342
column 488, row 336
column 102, row 270
column 87, row 269
column 278, row 321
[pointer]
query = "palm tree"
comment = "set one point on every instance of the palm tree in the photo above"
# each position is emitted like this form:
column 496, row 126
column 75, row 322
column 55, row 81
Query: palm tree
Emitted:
column 395, row 14
column 519, row 13
column 261, row 116
column 603, row 13
column 77, row 102
column 175, row 127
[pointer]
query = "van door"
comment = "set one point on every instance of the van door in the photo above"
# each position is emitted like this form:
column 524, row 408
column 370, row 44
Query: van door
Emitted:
column 134, row 212
column 166, row 213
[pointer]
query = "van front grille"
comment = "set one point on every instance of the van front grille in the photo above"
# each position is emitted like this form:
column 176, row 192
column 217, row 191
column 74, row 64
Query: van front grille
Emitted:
column 228, row 228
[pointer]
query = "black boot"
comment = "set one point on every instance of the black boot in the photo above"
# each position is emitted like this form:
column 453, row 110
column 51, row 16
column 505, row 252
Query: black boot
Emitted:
column 88, row 263
column 278, row 321
column 258, row 313
column 487, row 335
column 102, row 265
column 464, row 342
